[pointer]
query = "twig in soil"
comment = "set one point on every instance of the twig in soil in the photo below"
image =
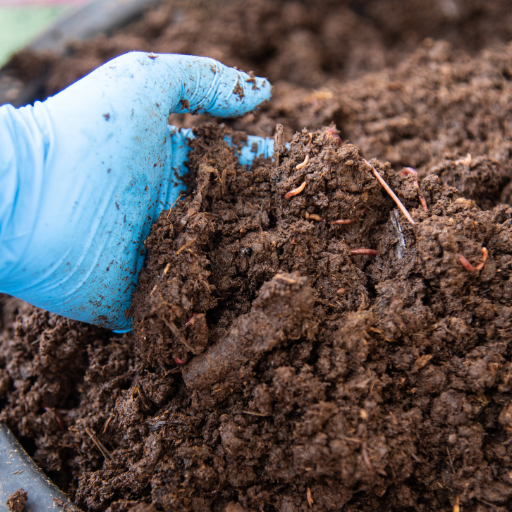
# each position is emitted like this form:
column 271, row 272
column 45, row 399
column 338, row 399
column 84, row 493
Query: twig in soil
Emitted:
column 303, row 164
column 487, row 503
column 363, row 303
column 390, row 192
column 456, row 507
column 252, row 413
column 416, row 458
column 367, row 252
column 173, row 204
column 368, row 462
column 99, row 444
column 107, row 423
column 366, row 458
column 294, row 192
column 177, row 334
column 378, row 331
column 352, row 439
column 465, row 263
column 183, row 247
column 410, row 170
column 450, row 459
column 309, row 497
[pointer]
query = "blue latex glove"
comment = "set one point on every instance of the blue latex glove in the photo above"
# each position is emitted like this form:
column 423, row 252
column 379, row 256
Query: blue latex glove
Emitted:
column 84, row 175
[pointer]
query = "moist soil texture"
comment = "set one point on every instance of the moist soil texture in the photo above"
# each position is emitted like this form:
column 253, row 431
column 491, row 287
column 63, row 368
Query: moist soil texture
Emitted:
column 298, row 344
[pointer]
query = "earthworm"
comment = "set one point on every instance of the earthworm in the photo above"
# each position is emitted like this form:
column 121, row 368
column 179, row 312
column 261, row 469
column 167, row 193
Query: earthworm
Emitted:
column 309, row 497
column 62, row 424
column 330, row 133
column 107, row 423
column 99, row 444
column 183, row 247
column 390, row 192
column 367, row 252
column 314, row 216
column 410, row 170
column 295, row 191
column 178, row 360
column 303, row 164
column 463, row 161
column 191, row 320
column 339, row 222
column 341, row 291
column 465, row 263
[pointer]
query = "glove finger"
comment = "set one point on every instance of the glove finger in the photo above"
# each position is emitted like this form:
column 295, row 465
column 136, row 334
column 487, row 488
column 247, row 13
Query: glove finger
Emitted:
column 253, row 148
column 200, row 85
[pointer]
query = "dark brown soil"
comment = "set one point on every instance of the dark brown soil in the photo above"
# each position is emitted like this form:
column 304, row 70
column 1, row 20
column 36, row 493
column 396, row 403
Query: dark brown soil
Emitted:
column 305, row 42
column 270, row 368
column 16, row 501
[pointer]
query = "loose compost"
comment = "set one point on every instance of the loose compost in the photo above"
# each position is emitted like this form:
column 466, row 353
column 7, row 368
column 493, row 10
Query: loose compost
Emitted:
column 302, row 347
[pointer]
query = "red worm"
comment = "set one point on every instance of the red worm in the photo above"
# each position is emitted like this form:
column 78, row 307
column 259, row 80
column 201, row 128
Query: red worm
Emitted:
column 295, row 191
column 178, row 360
column 367, row 252
column 58, row 418
column 409, row 170
column 330, row 133
column 314, row 216
column 423, row 202
column 465, row 263
column 191, row 320
column 339, row 222
column 414, row 172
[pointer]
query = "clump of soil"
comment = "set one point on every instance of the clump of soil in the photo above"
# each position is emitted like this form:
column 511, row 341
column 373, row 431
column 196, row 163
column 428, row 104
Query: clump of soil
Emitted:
column 325, row 374
column 16, row 501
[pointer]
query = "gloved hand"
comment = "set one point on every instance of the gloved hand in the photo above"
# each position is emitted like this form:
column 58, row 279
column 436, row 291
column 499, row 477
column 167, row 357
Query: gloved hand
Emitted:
column 84, row 175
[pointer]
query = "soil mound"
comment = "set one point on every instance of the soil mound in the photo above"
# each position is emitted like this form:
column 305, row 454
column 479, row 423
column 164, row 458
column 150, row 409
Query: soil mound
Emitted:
column 273, row 363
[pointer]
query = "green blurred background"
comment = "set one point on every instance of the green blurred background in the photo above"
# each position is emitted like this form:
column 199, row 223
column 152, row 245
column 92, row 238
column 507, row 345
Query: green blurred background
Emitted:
column 22, row 20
